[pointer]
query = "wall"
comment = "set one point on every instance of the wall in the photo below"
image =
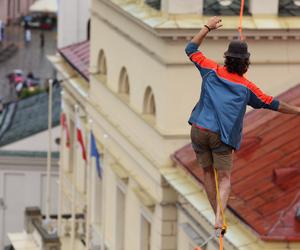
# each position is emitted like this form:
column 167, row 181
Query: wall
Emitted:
column 23, row 184
column 73, row 16
column 13, row 9
column 37, row 142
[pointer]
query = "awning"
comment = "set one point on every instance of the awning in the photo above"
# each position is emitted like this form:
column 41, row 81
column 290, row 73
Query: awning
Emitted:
column 47, row 6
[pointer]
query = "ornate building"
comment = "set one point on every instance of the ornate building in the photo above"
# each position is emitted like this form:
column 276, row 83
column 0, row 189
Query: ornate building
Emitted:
column 140, row 91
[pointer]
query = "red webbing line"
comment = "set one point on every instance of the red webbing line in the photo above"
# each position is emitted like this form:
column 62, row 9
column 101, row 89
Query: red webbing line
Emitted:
column 241, row 19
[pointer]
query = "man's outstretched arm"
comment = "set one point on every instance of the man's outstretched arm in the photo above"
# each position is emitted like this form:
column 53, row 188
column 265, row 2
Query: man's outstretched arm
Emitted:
column 288, row 109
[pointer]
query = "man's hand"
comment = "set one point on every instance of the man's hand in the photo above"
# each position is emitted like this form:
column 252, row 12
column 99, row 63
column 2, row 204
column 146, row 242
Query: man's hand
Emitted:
column 214, row 23
column 288, row 109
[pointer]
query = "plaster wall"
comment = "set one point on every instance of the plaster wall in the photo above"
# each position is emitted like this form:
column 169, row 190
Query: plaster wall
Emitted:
column 37, row 142
column 73, row 16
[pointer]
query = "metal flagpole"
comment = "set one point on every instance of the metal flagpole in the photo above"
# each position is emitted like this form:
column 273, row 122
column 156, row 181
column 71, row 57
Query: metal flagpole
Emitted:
column 48, row 189
column 105, row 163
column 74, row 172
column 89, row 188
column 61, row 165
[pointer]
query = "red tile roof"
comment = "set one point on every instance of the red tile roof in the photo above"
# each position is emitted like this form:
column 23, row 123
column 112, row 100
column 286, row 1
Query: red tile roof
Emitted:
column 266, row 174
column 78, row 56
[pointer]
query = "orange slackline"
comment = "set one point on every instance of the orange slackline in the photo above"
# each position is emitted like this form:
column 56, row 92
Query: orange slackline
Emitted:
column 241, row 20
column 221, row 242
column 224, row 226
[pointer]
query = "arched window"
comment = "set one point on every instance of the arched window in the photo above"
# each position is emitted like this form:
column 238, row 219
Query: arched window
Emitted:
column 124, row 88
column 88, row 30
column 102, row 68
column 149, row 103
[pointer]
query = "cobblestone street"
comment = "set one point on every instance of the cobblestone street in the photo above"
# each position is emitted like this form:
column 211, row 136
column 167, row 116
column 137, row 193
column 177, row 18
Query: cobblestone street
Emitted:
column 29, row 57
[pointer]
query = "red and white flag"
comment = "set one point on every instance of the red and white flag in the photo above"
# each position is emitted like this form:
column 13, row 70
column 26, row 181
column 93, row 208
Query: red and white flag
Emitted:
column 64, row 124
column 80, row 139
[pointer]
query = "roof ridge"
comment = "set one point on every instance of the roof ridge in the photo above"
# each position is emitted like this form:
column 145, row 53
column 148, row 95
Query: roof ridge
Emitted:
column 73, row 44
column 283, row 213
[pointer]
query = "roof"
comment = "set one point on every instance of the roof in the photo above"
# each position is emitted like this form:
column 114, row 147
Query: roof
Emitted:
column 78, row 56
column 28, row 117
column 266, row 174
column 158, row 20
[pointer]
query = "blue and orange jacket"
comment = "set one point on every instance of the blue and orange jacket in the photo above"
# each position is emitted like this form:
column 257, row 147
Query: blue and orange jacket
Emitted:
column 224, row 98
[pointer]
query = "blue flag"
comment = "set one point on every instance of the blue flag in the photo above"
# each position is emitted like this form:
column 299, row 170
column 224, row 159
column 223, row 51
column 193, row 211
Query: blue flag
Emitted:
column 95, row 153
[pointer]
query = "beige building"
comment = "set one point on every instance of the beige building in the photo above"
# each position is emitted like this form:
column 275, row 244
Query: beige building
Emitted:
column 11, row 10
column 136, row 96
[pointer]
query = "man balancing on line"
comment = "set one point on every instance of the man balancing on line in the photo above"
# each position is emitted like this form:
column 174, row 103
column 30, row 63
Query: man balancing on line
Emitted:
column 217, row 119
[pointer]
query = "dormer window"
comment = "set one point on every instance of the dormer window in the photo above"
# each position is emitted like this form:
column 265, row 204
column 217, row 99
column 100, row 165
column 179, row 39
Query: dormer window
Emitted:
column 224, row 7
column 289, row 7
column 155, row 4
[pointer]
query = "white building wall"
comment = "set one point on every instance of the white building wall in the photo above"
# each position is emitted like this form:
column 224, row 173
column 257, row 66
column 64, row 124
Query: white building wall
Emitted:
column 37, row 142
column 73, row 16
column 24, row 178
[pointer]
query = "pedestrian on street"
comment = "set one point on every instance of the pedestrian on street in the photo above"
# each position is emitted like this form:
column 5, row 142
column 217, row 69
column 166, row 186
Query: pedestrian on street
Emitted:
column 42, row 40
column 1, row 31
column 27, row 32
column 27, row 36
column 1, row 106
column 217, row 118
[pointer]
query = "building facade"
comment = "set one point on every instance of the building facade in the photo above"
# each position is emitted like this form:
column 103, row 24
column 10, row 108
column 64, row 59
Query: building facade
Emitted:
column 136, row 96
column 12, row 10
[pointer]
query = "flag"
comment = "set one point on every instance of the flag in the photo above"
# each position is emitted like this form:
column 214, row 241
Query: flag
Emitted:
column 64, row 124
column 80, row 138
column 95, row 153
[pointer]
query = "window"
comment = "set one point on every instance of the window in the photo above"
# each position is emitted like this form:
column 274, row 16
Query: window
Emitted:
column 297, row 2
column 289, row 8
column 88, row 30
column 120, row 220
column 224, row 7
column 225, row 2
column 149, row 102
column 145, row 234
column 102, row 68
column 124, row 89
column 155, row 4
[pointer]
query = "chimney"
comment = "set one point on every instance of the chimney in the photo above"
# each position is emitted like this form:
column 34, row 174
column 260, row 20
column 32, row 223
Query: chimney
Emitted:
column 281, row 175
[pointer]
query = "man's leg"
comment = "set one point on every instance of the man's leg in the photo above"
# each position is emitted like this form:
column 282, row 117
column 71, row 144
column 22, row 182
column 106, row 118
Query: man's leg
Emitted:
column 224, row 190
column 210, row 186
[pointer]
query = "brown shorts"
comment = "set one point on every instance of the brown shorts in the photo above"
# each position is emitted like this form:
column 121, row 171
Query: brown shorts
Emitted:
column 210, row 150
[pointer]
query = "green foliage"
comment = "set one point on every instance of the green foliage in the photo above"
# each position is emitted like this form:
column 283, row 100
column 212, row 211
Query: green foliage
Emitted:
column 27, row 92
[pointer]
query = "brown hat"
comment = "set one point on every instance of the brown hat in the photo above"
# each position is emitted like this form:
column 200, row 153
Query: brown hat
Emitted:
column 238, row 49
